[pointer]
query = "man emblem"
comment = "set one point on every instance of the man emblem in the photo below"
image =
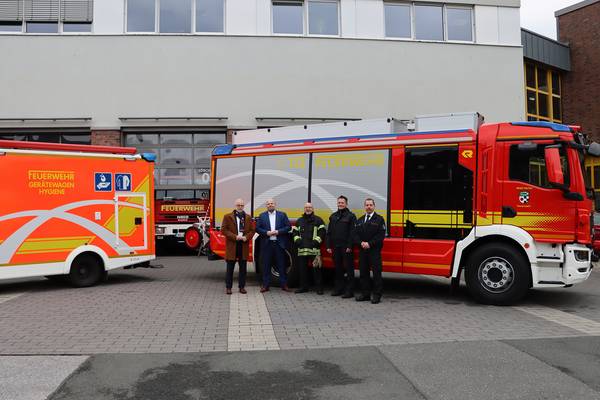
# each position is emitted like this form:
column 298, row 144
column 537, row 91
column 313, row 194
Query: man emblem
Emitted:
column 524, row 197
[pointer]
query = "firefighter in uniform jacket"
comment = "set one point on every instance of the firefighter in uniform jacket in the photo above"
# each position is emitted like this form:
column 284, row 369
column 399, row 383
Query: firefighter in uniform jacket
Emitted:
column 339, row 245
column 308, row 234
column 369, row 233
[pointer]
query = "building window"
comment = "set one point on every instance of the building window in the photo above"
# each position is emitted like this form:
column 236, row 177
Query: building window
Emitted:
column 323, row 18
column 183, row 158
column 48, row 137
column 429, row 22
column 141, row 15
column 459, row 22
column 542, row 93
column 74, row 27
column 175, row 16
column 296, row 17
column 46, row 16
column 42, row 27
column 288, row 17
column 210, row 15
column 9, row 26
column 397, row 20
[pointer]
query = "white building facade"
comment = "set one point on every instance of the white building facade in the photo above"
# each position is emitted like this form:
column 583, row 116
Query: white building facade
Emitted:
column 174, row 76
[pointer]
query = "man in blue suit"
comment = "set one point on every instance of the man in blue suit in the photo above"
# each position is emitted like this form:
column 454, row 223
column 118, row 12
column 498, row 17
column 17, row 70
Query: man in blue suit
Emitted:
column 273, row 227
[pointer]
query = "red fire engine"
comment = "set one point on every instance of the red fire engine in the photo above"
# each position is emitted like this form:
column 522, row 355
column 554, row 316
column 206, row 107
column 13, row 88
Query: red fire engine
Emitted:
column 177, row 221
column 504, row 204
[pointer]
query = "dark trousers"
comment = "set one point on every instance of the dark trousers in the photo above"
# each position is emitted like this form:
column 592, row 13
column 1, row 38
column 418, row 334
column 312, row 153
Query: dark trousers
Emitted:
column 229, row 275
column 344, row 265
column 370, row 260
column 273, row 252
column 303, row 272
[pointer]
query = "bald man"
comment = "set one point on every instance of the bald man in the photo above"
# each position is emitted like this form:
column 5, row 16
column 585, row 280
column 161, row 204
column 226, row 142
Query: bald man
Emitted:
column 273, row 227
column 308, row 234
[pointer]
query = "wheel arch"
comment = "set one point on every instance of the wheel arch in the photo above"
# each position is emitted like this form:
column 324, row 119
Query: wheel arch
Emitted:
column 510, row 235
column 88, row 249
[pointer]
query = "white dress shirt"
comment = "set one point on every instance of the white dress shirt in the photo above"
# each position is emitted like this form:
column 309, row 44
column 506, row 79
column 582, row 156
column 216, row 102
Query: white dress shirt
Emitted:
column 272, row 222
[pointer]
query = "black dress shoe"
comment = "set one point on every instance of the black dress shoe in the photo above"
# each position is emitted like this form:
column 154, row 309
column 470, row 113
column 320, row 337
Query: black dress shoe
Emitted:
column 363, row 297
column 320, row 292
column 337, row 293
column 347, row 295
column 301, row 290
column 376, row 299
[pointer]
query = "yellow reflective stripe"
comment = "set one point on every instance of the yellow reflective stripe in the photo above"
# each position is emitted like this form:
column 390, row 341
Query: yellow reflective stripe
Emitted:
column 53, row 245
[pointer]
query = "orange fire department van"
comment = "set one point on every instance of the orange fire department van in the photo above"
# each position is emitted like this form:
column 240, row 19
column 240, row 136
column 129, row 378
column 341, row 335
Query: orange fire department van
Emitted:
column 506, row 204
column 74, row 211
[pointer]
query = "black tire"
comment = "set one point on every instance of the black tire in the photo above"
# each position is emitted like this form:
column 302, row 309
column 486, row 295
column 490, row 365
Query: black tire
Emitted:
column 497, row 274
column 86, row 270
column 292, row 271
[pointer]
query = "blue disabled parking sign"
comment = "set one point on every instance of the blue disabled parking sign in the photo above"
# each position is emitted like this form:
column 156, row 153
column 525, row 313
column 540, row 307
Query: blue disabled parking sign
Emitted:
column 123, row 182
column 103, row 182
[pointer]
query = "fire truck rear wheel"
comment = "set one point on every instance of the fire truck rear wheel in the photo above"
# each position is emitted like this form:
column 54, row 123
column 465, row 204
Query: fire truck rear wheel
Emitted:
column 192, row 238
column 497, row 274
column 291, row 270
column 86, row 270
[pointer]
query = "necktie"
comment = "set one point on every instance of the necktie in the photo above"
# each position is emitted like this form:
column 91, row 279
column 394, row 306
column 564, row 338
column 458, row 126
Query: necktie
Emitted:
column 368, row 218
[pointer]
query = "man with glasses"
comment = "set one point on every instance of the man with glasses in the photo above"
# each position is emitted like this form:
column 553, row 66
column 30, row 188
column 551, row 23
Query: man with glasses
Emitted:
column 238, row 231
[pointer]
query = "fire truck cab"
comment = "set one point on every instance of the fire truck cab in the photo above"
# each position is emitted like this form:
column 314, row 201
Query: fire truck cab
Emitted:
column 504, row 204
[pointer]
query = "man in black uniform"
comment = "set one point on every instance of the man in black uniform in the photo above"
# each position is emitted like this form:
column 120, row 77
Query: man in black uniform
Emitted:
column 339, row 244
column 369, row 233
column 308, row 234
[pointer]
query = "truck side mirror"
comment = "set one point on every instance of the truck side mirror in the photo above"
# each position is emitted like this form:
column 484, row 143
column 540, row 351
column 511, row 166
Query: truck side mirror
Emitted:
column 556, row 176
column 594, row 149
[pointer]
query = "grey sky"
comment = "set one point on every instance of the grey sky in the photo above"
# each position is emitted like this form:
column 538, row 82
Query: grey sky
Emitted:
column 538, row 15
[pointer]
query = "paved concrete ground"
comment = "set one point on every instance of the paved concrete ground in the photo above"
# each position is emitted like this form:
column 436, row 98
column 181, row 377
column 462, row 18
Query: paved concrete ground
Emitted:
column 428, row 337
column 34, row 377
column 441, row 371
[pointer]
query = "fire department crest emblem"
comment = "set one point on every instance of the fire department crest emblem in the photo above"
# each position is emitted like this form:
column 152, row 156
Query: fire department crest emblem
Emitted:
column 524, row 197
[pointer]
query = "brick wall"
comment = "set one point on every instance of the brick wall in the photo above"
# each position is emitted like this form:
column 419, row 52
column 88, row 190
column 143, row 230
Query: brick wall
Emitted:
column 106, row 138
column 581, row 87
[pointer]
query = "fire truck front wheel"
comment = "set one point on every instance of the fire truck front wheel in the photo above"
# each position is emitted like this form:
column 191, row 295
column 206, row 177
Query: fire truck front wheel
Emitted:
column 497, row 274
column 86, row 270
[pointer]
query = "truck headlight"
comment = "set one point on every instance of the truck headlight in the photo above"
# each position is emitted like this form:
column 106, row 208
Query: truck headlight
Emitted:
column 582, row 255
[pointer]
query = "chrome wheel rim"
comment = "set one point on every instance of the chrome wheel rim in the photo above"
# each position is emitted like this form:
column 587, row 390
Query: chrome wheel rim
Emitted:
column 496, row 274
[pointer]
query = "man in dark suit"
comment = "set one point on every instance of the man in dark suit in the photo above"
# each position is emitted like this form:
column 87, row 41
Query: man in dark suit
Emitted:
column 369, row 233
column 238, row 231
column 273, row 227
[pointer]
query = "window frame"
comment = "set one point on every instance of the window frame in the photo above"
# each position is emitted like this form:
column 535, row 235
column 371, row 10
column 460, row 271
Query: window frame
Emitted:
column 410, row 7
column 413, row 24
column 194, row 20
column 60, row 30
column 157, row 31
column 338, row 18
column 458, row 7
column 58, row 133
column 414, row 20
column 306, row 18
column 549, row 93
